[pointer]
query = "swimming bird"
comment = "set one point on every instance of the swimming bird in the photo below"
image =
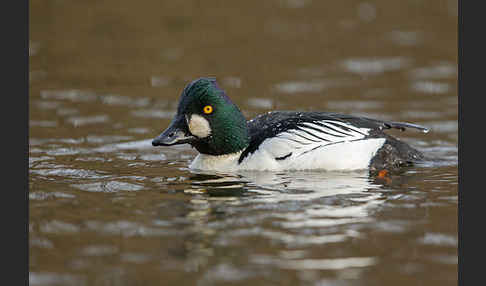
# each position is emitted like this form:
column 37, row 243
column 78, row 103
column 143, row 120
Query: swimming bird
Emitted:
column 208, row 120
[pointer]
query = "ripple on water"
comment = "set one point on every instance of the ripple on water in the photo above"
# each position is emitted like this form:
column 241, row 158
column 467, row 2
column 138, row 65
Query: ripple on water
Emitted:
column 225, row 272
column 99, row 250
column 124, row 100
column 64, row 171
column 231, row 81
column 132, row 257
column 444, row 126
column 72, row 95
column 316, row 264
column 438, row 239
column 153, row 113
column 421, row 114
column 160, row 80
column 47, row 104
column 57, row 226
column 302, row 240
column 323, row 222
column 440, row 71
column 136, row 145
column 374, row 66
column 43, row 123
column 93, row 159
column 128, row 157
column 153, row 157
column 63, row 151
column 406, row 38
column 391, row 226
column 295, row 4
column 33, row 160
column 139, row 130
column 430, row 87
column 47, row 195
column 38, row 141
column 263, row 103
column 129, row 229
column 108, row 187
column 40, row 242
column 50, row 278
column 354, row 105
column 78, row 121
column 67, row 111
column 301, row 86
column 445, row 259
column 106, row 138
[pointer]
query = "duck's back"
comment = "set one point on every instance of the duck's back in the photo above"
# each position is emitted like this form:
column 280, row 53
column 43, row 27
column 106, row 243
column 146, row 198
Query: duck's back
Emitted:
column 323, row 140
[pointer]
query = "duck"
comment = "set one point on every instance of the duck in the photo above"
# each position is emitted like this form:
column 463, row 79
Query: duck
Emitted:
column 210, row 122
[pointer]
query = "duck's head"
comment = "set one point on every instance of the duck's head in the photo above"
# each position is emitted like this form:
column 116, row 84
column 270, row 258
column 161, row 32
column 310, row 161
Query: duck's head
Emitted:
column 207, row 119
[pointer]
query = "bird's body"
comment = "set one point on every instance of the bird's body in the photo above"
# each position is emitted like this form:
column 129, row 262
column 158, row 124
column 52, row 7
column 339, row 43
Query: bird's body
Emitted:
column 281, row 140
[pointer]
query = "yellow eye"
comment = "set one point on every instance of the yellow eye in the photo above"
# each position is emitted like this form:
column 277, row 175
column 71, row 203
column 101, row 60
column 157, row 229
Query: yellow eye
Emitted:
column 208, row 109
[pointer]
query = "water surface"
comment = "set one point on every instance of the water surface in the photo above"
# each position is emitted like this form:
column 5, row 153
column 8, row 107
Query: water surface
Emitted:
column 107, row 208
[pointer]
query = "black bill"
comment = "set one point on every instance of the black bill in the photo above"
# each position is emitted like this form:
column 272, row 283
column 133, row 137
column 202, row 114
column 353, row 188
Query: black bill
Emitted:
column 175, row 134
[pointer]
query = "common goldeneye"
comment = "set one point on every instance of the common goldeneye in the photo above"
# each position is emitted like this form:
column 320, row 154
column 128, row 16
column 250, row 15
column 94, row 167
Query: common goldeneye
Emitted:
column 280, row 140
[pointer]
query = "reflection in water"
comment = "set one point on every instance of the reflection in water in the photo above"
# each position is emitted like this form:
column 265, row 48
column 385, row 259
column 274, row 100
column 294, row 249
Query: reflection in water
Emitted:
column 299, row 185
column 303, row 209
column 307, row 185
column 300, row 200
column 318, row 264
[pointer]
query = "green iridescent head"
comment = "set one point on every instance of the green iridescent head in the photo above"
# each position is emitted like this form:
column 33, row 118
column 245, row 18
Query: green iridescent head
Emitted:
column 207, row 119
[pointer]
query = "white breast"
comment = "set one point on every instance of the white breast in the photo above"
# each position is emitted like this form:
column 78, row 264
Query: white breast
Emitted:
column 227, row 162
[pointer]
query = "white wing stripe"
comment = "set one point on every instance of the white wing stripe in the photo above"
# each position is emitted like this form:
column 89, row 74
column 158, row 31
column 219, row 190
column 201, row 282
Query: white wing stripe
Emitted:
column 292, row 137
column 364, row 131
column 331, row 129
column 301, row 138
column 325, row 136
column 303, row 135
column 337, row 129
column 314, row 133
column 321, row 133
column 326, row 130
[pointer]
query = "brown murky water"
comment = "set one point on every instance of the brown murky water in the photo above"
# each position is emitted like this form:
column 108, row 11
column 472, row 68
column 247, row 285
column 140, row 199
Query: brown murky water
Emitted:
column 107, row 208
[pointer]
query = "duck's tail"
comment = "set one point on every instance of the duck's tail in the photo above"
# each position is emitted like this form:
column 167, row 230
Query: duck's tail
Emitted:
column 404, row 125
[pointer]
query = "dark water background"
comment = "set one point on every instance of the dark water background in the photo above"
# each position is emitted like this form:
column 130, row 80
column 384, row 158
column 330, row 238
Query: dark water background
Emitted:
column 107, row 208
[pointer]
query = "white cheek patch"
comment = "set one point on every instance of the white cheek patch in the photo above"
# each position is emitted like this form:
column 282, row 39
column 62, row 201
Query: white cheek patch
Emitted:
column 199, row 126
